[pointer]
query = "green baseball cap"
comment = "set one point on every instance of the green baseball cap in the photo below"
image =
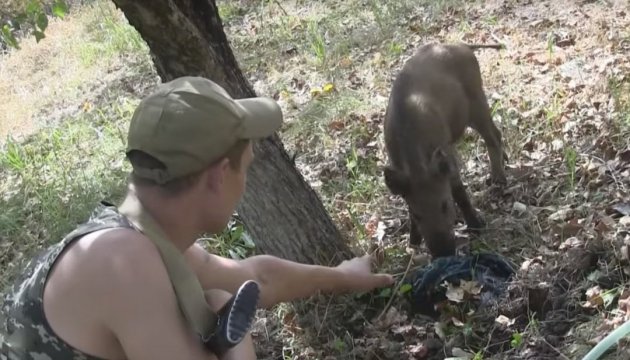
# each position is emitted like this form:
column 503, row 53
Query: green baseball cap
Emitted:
column 190, row 122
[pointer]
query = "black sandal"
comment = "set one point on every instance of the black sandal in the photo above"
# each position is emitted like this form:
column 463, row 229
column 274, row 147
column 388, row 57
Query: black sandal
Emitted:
column 234, row 319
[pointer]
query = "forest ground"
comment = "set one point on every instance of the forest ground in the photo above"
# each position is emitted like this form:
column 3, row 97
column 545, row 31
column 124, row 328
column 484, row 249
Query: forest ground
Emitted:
column 560, row 94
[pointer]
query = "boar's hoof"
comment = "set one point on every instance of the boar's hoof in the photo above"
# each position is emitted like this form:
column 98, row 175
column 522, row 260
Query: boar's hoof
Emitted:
column 474, row 226
column 415, row 239
column 474, row 231
column 497, row 180
column 500, row 180
column 444, row 249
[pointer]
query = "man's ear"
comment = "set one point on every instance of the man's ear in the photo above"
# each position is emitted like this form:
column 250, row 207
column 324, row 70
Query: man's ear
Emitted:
column 216, row 174
column 440, row 164
column 396, row 181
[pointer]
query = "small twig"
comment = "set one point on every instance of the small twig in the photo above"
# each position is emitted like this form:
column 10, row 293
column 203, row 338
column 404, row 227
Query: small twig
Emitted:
column 373, row 354
column 321, row 325
column 524, row 176
column 350, row 202
column 555, row 349
column 400, row 228
column 497, row 39
column 391, row 299
column 497, row 228
column 281, row 8
column 405, row 272
column 612, row 172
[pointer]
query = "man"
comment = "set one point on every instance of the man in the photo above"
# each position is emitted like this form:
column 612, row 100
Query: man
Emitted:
column 104, row 292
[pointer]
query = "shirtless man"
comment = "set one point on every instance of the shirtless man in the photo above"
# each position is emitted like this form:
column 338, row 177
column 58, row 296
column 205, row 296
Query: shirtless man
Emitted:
column 103, row 292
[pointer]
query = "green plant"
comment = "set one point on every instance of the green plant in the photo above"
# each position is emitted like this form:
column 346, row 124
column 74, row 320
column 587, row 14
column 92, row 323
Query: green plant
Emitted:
column 570, row 159
column 395, row 49
column 229, row 11
column 339, row 345
column 316, row 39
column 31, row 15
column 517, row 340
column 550, row 45
column 553, row 111
column 233, row 242
column 492, row 20
column 620, row 91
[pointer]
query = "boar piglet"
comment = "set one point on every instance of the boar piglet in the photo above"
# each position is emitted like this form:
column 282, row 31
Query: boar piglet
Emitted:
column 435, row 97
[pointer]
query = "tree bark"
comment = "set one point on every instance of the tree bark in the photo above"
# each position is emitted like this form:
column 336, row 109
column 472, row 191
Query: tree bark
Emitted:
column 281, row 212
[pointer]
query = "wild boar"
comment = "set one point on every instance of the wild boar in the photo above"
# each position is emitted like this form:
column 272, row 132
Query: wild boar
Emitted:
column 437, row 94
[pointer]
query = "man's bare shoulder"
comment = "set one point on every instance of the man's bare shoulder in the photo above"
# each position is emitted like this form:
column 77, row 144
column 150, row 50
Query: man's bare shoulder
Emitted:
column 110, row 253
column 133, row 294
column 89, row 290
column 118, row 242
column 125, row 258
column 96, row 267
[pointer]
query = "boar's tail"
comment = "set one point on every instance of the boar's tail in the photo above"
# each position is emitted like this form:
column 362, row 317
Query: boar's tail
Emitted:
column 485, row 46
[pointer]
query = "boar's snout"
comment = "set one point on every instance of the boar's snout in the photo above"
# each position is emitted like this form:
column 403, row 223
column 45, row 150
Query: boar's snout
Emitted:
column 441, row 243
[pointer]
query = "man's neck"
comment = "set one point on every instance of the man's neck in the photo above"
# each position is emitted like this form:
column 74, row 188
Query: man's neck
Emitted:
column 175, row 220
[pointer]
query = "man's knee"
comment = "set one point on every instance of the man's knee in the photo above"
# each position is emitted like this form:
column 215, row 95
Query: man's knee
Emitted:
column 216, row 298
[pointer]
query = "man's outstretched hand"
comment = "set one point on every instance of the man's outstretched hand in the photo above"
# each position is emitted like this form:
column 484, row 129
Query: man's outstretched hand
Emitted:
column 283, row 280
column 359, row 276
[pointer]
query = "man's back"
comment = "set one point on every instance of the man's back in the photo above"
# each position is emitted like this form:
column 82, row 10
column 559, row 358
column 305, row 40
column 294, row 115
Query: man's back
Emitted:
column 107, row 296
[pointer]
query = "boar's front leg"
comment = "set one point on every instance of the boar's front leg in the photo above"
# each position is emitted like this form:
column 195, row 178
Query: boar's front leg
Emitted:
column 415, row 238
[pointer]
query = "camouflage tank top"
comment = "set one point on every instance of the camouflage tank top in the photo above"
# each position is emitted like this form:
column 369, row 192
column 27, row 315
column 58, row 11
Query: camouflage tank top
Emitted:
column 24, row 332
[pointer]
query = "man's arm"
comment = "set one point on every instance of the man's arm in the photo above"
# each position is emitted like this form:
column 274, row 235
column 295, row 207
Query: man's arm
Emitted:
column 282, row 280
column 142, row 311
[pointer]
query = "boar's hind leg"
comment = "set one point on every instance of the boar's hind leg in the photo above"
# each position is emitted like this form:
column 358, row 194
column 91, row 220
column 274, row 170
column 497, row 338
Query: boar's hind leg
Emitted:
column 460, row 195
column 482, row 122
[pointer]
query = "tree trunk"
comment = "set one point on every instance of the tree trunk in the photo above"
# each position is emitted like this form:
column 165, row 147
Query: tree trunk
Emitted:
column 281, row 212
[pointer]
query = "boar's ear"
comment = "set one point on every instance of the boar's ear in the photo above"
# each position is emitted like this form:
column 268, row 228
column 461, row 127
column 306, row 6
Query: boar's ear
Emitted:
column 396, row 181
column 440, row 164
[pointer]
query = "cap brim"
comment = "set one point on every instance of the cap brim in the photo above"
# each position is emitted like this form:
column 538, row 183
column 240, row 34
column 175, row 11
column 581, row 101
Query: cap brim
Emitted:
column 263, row 117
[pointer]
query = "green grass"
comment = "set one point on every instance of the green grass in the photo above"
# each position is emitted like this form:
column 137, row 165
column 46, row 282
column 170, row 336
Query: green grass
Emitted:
column 67, row 69
column 321, row 35
column 361, row 174
column 620, row 90
column 230, row 11
column 315, row 120
column 52, row 181
column 109, row 36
